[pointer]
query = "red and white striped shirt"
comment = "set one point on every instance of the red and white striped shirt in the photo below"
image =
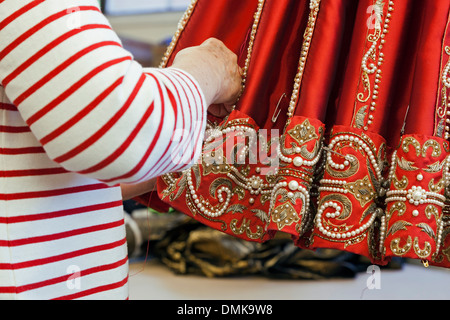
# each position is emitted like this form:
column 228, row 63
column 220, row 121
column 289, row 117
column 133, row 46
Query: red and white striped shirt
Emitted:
column 78, row 116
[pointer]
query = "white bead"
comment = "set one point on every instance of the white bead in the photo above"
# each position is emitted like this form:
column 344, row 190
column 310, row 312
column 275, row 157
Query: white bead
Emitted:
column 298, row 162
column 293, row 185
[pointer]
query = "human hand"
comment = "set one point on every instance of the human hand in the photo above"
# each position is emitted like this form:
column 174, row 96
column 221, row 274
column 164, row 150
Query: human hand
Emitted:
column 215, row 68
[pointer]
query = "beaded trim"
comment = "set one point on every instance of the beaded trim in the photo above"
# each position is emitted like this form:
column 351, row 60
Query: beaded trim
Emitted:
column 442, row 114
column 349, row 191
column 372, row 61
column 277, row 192
column 307, row 38
column 417, row 200
column 185, row 19
column 181, row 25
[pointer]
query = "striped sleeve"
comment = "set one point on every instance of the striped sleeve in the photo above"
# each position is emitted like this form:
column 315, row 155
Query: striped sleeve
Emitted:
column 94, row 109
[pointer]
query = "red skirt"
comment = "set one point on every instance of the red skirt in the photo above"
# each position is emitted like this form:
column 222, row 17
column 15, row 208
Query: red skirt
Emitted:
column 340, row 137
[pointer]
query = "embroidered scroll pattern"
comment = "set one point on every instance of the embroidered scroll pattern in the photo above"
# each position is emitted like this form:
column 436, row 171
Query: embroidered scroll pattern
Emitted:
column 349, row 207
column 243, row 195
column 442, row 112
column 371, row 65
column 414, row 222
column 248, row 198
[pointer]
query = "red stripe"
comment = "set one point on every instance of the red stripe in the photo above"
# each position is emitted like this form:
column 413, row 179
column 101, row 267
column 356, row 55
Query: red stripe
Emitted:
column 8, row 107
column 61, row 257
column 181, row 143
column 56, row 133
column 64, row 278
column 160, row 163
column 61, row 68
column 103, row 130
column 153, row 143
column 61, row 213
column 32, row 172
column 19, row 12
column 51, row 193
column 175, row 168
column 92, row 291
column 124, row 145
column 24, row 36
column 47, row 49
column 17, row 151
column 174, row 104
column 197, row 142
column 61, row 235
column 9, row 129
column 35, row 117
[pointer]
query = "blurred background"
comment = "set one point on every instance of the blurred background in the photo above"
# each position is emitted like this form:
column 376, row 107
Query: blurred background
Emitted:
column 174, row 258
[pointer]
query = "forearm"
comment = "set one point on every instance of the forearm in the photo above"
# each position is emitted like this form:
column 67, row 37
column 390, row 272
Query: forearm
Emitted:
column 94, row 109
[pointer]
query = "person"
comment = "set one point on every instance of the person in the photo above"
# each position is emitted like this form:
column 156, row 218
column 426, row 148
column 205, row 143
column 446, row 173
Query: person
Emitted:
column 79, row 119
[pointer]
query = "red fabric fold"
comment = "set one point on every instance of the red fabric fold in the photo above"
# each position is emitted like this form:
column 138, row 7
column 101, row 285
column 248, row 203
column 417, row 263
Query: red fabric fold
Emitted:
column 375, row 71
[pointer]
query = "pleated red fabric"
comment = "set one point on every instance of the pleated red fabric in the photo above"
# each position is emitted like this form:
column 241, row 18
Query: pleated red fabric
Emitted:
column 340, row 137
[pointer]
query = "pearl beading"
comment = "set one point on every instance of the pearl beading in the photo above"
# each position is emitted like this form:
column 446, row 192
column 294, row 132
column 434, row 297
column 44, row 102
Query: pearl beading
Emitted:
column 203, row 205
column 416, row 196
column 440, row 228
column 293, row 186
column 334, row 233
column 330, row 185
column 445, row 113
column 255, row 25
column 181, row 25
column 185, row 19
column 378, row 40
column 297, row 161
column 382, row 235
column 253, row 184
column 307, row 38
column 393, row 166
column 362, row 144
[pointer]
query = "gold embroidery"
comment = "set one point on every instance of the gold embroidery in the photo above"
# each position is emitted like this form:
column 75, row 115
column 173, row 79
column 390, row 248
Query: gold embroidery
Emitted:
column 406, row 165
column 398, row 206
column 430, row 211
column 245, row 228
column 400, row 184
column 353, row 164
column 427, row 229
column 436, row 187
column 261, row 214
column 422, row 253
column 181, row 25
column 236, row 208
column 362, row 190
column 371, row 64
column 400, row 251
column 285, row 215
column 411, row 141
column 429, row 200
column 303, row 133
column 434, row 145
column 397, row 226
column 446, row 252
column 442, row 128
column 362, row 113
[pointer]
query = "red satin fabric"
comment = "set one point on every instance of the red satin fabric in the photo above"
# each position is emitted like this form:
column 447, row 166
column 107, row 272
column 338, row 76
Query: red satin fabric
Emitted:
column 405, row 92
column 410, row 76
